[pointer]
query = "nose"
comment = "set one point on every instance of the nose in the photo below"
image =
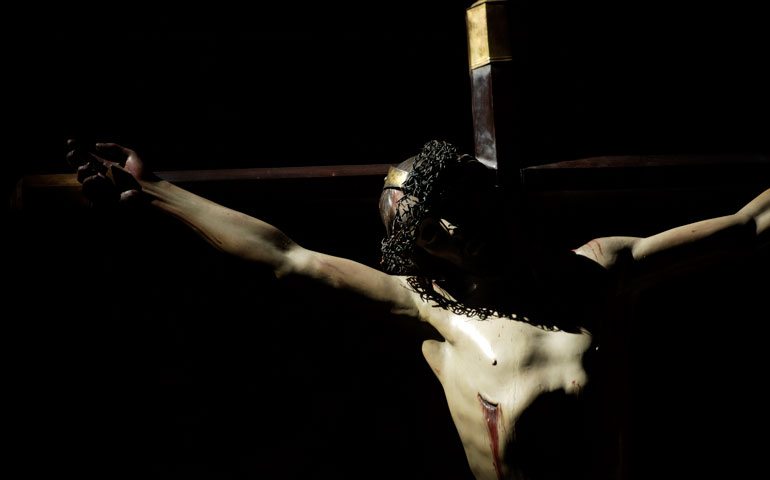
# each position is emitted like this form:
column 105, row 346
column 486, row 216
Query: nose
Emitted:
column 441, row 239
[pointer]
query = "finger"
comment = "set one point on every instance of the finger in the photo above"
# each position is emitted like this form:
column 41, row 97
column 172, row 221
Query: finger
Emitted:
column 113, row 152
column 80, row 141
column 86, row 171
column 100, row 190
column 101, row 161
column 77, row 157
column 93, row 167
column 78, row 144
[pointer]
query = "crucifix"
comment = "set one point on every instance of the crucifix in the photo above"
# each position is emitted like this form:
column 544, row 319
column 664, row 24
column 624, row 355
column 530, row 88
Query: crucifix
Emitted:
column 516, row 330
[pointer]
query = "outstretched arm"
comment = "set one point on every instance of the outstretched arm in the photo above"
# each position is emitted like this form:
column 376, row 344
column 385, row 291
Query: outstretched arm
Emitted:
column 731, row 231
column 687, row 244
column 232, row 232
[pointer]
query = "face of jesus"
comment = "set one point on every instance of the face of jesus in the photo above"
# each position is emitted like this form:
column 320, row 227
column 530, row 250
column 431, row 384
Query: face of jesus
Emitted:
column 459, row 227
column 447, row 240
column 465, row 248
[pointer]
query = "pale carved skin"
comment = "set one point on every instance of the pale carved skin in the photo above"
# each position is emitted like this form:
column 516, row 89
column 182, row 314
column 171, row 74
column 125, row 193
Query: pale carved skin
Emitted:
column 501, row 362
column 490, row 370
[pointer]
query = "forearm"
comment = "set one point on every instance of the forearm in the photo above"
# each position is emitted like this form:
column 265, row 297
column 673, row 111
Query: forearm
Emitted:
column 691, row 238
column 227, row 230
column 714, row 236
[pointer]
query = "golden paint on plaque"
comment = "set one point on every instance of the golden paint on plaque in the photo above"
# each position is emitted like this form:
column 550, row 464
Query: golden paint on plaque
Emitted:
column 488, row 33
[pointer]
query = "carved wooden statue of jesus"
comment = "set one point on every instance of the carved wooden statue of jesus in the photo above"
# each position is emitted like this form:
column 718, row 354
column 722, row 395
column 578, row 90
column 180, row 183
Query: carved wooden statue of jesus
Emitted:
column 514, row 325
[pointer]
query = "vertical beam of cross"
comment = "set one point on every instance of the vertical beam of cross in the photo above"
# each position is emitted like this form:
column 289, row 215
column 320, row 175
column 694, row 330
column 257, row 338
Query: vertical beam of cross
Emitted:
column 493, row 88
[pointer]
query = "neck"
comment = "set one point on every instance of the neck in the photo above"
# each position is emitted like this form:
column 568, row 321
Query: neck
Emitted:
column 505, row 290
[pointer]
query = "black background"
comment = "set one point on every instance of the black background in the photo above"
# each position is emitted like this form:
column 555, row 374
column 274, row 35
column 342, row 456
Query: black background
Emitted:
column 137, row 350
column 326, row 84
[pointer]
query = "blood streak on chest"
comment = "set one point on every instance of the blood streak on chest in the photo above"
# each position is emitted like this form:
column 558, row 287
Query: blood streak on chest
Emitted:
column 493, row 417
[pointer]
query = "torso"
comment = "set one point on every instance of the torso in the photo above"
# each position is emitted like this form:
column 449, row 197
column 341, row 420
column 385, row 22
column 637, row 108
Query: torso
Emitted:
column 492, row 372
column 509, row 385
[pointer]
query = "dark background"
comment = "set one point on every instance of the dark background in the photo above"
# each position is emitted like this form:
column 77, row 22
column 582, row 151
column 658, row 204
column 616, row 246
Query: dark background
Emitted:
column 333, row 84
column 137, row 350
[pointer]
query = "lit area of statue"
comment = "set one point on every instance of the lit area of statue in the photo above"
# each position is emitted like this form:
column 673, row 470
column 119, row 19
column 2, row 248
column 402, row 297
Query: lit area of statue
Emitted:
column 512, row 326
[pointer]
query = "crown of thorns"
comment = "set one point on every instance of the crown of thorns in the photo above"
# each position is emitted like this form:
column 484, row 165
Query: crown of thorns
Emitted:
column 421, row 188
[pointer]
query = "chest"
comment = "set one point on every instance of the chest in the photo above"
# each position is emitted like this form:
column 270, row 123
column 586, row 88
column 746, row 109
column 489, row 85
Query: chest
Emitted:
column 498, row 372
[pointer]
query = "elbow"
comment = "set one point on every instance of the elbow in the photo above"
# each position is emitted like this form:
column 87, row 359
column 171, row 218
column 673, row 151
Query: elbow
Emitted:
column 638, row 250
column 289, row 261
column 742, row 218
column 757, row 214
column 762, row 224
column 756, row 223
